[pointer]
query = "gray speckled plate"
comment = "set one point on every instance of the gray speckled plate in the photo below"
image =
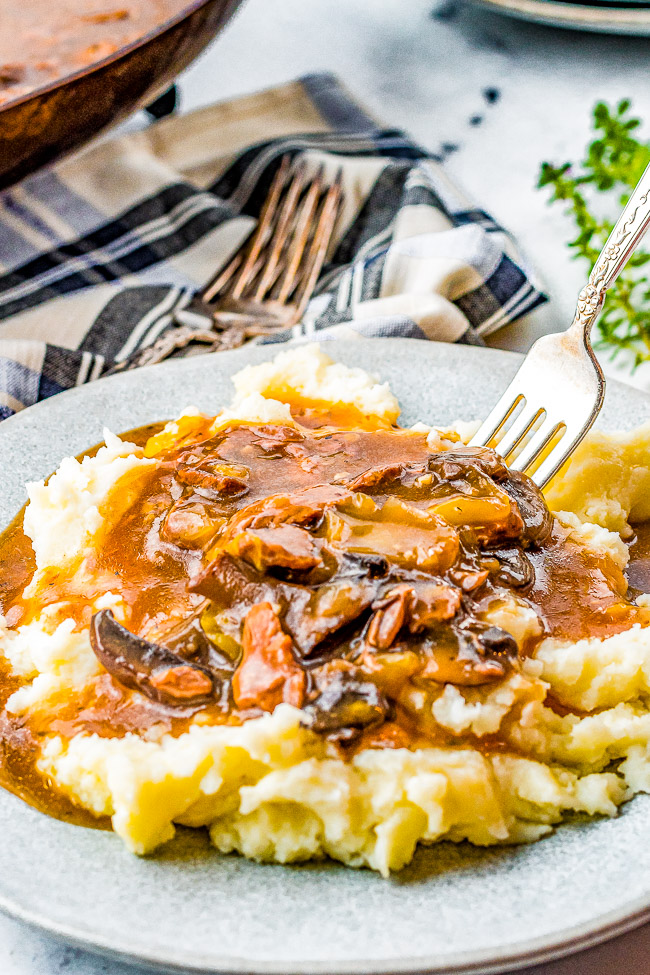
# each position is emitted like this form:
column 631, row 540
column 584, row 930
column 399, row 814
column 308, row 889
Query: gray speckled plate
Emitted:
column 456, row 909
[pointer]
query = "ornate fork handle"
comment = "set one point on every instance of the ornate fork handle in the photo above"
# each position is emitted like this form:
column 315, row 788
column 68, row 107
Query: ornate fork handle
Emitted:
column 621, row 243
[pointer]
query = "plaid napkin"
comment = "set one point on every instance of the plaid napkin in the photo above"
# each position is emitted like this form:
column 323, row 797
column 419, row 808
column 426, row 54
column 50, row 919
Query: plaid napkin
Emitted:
column 100, row 254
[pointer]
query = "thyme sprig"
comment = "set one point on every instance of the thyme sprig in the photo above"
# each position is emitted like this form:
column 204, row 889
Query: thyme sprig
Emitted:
column 592, row 190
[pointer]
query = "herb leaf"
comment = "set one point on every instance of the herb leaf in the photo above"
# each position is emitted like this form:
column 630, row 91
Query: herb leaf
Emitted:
column 593, row 191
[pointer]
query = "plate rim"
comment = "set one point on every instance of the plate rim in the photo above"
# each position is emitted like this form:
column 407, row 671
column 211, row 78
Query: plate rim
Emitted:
column 555, row 13
column 539, row 951
column 544, row 948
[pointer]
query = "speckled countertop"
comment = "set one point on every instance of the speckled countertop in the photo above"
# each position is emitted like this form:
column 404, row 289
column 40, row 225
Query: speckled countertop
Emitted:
column 494, row 97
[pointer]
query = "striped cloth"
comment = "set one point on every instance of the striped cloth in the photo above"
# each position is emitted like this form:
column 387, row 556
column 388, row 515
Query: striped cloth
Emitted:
column 100, row 254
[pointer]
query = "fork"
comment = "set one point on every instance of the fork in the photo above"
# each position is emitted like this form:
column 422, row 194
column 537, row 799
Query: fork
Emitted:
column 267, row 284
column 556, row 395
column 273, row 277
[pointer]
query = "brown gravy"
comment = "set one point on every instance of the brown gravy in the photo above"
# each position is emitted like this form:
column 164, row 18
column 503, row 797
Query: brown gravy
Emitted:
column 18, row 742
column 575, row 593
column 578, row 593
column 42, row 41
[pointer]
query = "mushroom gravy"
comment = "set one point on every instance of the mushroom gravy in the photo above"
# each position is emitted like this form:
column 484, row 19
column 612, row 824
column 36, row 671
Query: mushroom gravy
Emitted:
column 343, row 567
column 41, row 42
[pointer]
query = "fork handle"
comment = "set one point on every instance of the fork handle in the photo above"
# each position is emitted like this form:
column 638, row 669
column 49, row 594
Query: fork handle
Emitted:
column 621, row 244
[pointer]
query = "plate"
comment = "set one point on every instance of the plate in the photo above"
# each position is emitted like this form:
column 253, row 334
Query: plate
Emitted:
column 610, row 19
column 455, row 909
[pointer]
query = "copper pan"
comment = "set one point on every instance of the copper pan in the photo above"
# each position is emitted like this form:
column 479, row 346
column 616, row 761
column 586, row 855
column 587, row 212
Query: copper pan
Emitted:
column 51, row 121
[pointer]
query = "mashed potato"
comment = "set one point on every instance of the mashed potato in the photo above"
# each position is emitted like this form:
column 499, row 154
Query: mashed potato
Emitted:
column 308, row 374
column 273, row 790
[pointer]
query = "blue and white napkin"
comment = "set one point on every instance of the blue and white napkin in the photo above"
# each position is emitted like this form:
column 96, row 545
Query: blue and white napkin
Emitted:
column 100, row 253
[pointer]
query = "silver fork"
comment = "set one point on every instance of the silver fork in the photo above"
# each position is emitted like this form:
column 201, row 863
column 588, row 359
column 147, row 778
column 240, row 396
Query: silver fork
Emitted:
column 268, row 282
column 272, row 278
column 558, row 391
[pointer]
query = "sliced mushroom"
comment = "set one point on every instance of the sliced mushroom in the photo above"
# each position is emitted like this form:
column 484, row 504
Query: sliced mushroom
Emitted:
column 154, row 670
column 515, row 569
column 452, row 464
column 538, row 520
column 490, row 649
column 234, row 585
column 228, row 581
column 371, row 564
column 329, row 609
column 416, row 604
column 489, row 640
column 337, row 603
column 470, row 654
column 346, row 703
column 462, row 467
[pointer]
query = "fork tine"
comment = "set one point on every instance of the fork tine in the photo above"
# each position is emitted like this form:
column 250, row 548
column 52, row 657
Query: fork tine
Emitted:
column 300, row 238
column 321, row 240
column 535, row 447
column 555, row 460
column 218, row 283
column 496, row 418
column 261, row 234
column 281, row 232
column 519, row 430
column 225, row 277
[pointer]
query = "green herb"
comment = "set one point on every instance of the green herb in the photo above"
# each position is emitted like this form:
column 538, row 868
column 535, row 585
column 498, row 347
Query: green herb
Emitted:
column 594, row 190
